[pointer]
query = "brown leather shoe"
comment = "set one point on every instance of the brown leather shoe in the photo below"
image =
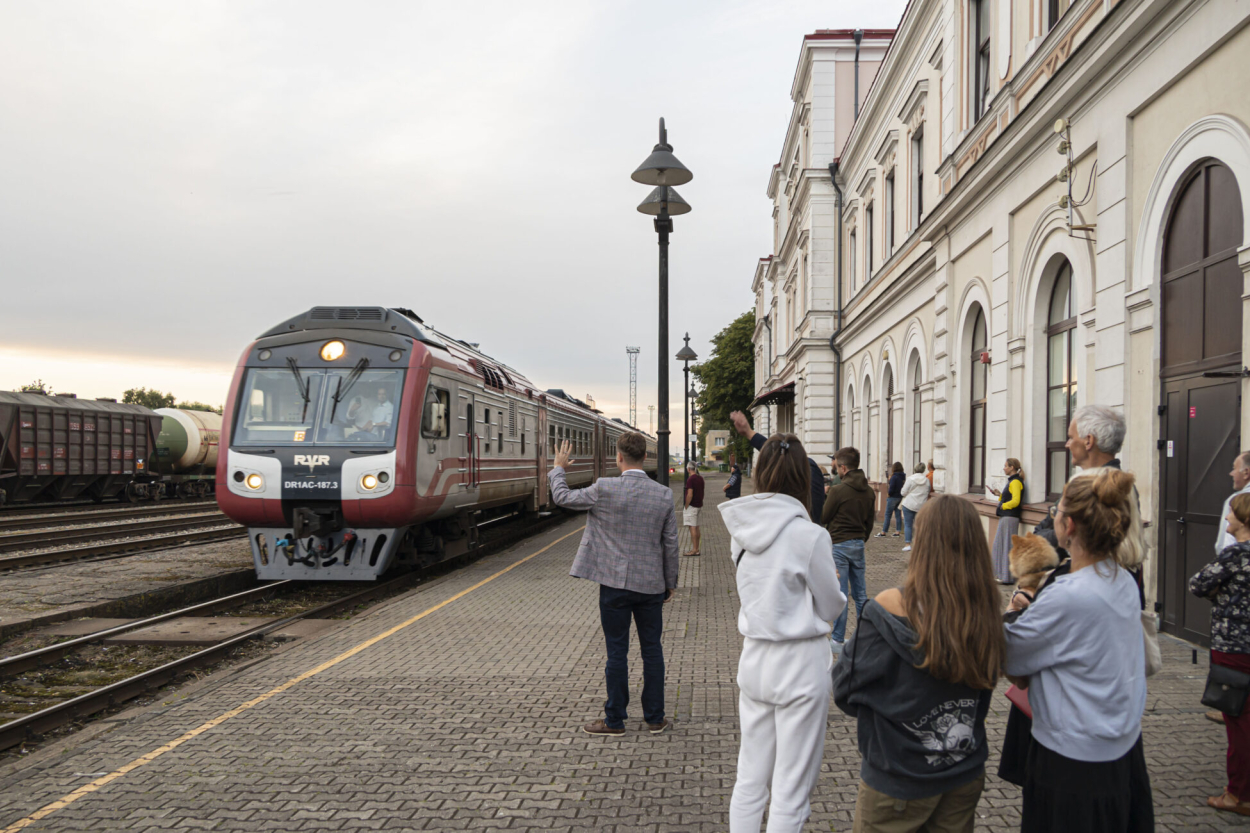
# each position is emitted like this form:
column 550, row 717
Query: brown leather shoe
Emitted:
column 1214, row 717
column 656, row 728
column 598, row 727
column 1229, row 804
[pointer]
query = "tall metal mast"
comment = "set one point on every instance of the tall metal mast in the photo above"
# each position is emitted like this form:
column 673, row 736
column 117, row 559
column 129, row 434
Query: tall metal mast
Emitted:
column 633, row 385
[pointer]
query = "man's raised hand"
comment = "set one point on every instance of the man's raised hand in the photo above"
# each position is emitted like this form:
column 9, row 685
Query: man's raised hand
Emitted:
column 741, row 425
column 563, row 450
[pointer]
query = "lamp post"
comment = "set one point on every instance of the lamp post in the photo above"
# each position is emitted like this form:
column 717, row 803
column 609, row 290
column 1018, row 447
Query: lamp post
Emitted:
column 694, row 424
column 686, row 355
column 662, row 170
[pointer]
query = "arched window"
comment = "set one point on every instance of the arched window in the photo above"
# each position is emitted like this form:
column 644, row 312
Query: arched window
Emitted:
column 915, row 417
column 865, row 451
column 853, row 418
column 1061, row 376
column 977, row 387
column 889, row 415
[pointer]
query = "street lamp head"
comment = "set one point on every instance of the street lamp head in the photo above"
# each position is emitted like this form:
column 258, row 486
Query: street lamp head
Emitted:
column 662, row 167
column 664, row 200
column 685, row 354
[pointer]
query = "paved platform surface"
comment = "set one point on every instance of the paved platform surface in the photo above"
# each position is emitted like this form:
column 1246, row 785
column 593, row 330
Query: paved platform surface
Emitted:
column 65, row 587
column 467, row 718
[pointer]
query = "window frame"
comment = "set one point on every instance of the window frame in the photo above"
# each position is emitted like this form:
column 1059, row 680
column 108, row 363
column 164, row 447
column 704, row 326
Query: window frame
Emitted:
column 917, row 200
column 976, row 480
column 887, row 229
column 868, row 218
column 1066, row 326
column 981, row 54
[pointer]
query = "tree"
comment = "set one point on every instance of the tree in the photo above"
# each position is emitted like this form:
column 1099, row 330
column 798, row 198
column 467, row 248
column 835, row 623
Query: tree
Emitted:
column 37, row 386
column 728, row 379
column 199, row 406
column 148, row 398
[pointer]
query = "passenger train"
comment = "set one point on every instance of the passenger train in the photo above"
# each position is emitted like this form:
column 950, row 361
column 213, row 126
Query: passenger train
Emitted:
column 358, row 437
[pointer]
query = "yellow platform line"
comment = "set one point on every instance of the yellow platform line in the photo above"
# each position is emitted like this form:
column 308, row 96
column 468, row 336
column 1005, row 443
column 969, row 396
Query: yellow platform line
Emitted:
column 87, row 789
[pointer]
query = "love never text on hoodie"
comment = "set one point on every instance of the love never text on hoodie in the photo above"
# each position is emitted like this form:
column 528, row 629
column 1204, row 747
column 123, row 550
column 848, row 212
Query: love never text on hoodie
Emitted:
column 787, row 583
column 918, row 736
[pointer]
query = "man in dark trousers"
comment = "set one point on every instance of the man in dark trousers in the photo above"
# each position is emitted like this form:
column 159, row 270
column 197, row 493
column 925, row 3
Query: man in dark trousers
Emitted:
column 757, row 441
column 848, row 514
column 630, row 550
column 733, row 489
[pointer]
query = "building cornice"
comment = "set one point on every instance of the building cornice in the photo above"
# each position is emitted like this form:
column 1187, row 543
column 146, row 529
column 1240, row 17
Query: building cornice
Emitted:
column 916, row 273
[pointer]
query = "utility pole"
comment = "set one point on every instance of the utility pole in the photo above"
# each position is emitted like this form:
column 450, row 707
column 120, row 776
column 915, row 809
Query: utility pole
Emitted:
column 633, row 385
column 650, row 419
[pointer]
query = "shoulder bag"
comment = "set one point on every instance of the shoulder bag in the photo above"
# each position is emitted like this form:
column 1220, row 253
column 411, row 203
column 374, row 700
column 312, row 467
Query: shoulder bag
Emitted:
column 1150, row 634
column 1226, row 690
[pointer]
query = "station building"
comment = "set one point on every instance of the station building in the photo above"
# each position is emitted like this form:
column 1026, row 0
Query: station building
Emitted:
column 1043, row 205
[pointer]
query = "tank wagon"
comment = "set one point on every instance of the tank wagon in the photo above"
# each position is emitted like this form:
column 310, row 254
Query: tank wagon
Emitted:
column 356, row 437
column 185, row 456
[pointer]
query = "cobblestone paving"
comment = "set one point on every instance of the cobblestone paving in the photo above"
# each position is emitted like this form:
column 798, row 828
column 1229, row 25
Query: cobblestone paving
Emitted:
column 27, row 593
column 468, row 719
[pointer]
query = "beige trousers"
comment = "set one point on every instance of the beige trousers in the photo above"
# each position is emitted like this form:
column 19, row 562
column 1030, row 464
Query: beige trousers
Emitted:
column 950, row 812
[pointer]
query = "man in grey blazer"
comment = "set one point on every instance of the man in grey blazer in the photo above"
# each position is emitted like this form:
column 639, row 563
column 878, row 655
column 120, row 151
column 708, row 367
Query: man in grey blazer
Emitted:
column 630, row 549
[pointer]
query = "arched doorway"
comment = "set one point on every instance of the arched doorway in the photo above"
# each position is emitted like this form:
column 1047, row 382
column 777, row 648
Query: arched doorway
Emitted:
column 1200, row 373
column 888, row 385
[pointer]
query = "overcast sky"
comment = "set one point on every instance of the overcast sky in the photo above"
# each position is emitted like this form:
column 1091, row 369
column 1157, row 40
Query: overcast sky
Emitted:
column 175, row 178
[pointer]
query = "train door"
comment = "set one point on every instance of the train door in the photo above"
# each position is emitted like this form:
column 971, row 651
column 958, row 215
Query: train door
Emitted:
column 469, row 446
column 540, row 455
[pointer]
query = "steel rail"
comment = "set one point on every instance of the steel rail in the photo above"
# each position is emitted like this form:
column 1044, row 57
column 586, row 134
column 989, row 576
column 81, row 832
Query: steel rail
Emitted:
column 18, row 663
column 26, row 540
column 34, row 517
column 19, row 730
column 132, row 545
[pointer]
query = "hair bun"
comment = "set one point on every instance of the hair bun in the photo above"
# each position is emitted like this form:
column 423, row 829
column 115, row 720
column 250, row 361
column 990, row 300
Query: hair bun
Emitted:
column 1112, row 487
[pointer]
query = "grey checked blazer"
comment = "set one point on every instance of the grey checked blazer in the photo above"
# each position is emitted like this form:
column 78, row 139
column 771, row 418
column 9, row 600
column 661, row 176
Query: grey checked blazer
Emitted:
column 630, row 541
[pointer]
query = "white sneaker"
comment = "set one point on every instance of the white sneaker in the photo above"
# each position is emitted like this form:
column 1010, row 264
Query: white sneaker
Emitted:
column 879, row 535
column 837, row 647
column 907, row 548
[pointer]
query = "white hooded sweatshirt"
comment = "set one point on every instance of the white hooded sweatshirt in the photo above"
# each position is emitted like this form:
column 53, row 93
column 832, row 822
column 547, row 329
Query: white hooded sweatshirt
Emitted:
column 787, row 582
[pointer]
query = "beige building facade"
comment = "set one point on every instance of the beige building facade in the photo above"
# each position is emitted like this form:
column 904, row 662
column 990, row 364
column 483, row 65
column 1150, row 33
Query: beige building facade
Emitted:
column 1045, row 205
column 796, row 286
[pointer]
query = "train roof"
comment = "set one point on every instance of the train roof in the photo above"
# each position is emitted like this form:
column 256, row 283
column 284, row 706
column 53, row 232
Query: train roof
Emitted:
column 37, row 399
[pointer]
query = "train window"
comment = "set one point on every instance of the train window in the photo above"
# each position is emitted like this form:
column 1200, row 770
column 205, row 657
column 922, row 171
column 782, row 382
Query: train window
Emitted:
column 280, row 409
column 551, row 440
column 359, row 407
column 486, row 430
column 434, row 422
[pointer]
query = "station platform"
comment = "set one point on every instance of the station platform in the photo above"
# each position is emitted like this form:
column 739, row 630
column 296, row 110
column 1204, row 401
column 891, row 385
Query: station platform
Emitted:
column 458, row 706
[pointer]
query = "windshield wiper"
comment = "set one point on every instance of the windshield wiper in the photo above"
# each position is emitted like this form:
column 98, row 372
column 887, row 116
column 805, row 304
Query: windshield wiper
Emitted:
column 339, row 392
column 302, row 384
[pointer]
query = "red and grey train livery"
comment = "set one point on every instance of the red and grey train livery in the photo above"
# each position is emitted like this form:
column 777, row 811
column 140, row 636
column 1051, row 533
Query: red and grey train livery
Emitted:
column 357, row 437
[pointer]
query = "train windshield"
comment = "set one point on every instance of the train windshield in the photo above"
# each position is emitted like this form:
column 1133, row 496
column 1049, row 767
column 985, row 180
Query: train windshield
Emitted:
column 305, row 406
column 360, row 407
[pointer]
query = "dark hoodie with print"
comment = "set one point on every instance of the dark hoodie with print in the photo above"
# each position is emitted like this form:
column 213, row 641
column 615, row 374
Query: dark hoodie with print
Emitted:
column 918, row 736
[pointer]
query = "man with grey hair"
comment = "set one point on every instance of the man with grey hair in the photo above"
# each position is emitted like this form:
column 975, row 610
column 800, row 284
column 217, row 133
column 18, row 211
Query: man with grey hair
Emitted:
column 1241, row 483
column 1095, row 436
column 693, row 504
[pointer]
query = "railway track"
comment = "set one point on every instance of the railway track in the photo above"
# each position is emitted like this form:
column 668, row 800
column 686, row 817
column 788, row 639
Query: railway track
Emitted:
column 24, row 728
column 26, row 540
column 45, row 516
column 128, row 546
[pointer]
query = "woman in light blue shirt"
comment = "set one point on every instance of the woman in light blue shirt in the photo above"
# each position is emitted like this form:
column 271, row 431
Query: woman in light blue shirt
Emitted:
column 1079, row 650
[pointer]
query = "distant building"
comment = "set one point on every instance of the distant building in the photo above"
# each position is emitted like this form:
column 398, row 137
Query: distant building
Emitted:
column 795, row 286
column 717, row 445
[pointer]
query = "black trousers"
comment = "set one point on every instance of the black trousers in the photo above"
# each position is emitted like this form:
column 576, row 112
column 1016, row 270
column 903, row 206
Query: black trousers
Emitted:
column 616, row 609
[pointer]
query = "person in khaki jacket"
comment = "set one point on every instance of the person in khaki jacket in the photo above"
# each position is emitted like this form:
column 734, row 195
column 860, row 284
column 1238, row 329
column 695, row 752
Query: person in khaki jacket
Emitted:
column 848, row 514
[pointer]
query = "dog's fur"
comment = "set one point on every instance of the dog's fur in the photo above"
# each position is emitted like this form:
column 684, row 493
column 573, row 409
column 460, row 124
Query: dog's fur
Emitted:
column 1031, row 557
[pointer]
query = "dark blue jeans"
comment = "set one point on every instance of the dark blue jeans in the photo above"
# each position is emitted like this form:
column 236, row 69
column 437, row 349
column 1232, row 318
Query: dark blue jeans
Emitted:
column 892, row 505
column 616, row 608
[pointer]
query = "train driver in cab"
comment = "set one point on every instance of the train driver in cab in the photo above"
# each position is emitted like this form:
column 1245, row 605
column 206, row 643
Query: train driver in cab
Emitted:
column 383, row 414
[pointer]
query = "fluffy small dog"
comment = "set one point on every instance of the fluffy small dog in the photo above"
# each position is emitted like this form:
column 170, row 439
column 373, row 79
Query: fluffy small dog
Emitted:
column 1031, row 558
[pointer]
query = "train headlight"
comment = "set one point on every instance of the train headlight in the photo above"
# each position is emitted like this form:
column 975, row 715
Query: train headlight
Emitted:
column 384, row 476
column 369, row 482
column 255, row 481
column 332, row 351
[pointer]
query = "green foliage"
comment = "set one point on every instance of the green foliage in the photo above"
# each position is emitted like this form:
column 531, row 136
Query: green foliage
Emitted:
column 148, row 398
column 199, row 406
column 37, row 385
column 728, row 380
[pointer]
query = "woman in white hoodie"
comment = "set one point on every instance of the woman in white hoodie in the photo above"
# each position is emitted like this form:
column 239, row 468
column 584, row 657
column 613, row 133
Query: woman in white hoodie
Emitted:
column 915, row 493
column 789, row 592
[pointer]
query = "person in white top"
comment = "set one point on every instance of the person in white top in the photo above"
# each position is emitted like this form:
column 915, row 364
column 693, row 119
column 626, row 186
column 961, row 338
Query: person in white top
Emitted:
column 789, row 592
column 916, row 490
column 383, row 413
column 1241, row 484
column 1079, row 651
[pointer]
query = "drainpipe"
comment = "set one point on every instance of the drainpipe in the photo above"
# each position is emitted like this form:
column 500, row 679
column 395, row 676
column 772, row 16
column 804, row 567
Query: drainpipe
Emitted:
column 858, row 34
column 833, row 340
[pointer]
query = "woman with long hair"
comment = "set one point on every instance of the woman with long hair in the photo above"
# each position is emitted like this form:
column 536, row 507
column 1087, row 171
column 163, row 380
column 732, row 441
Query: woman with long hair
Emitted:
column 918, row 676
column 1010, row 508
column 1079, row 650
column 789, row 593
column 1226, row 582
column 893, row 500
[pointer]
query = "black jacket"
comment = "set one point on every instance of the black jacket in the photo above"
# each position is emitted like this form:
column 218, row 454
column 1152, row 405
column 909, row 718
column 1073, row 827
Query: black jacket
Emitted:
column 896, row 484
column 850, row 509
column 817, row 498
column 918, row 736
column 1006, row 497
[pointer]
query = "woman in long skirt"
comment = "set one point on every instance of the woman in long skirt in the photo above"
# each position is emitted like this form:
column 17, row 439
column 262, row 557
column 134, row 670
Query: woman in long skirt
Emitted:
column 1010, row 506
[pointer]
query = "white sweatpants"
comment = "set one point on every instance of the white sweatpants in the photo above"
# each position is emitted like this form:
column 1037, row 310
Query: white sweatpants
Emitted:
column 783, row 705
